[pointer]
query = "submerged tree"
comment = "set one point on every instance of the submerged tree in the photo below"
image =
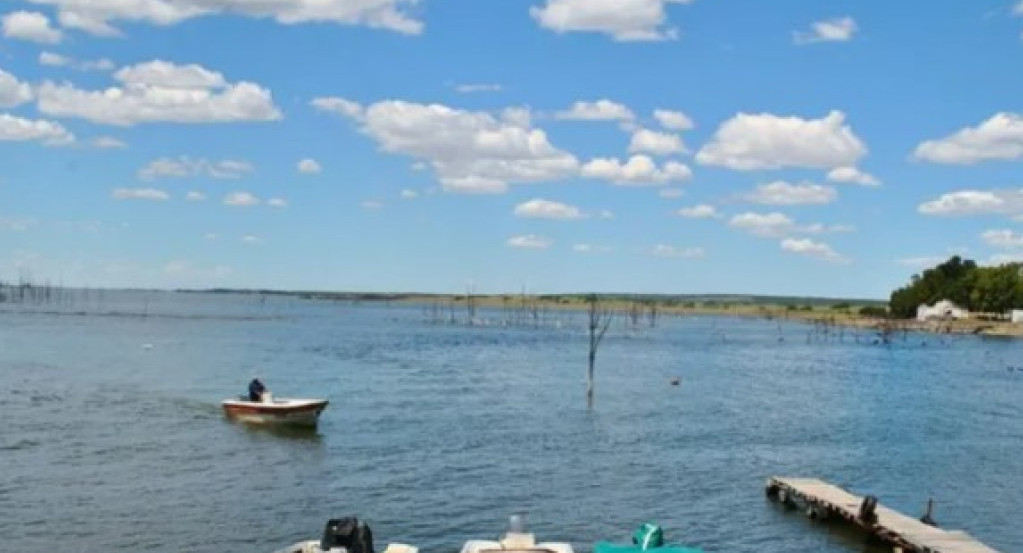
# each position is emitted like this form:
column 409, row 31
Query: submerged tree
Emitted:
column 600, row 320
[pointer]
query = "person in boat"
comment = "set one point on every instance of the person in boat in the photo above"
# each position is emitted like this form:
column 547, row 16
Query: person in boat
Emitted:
column 256, row 390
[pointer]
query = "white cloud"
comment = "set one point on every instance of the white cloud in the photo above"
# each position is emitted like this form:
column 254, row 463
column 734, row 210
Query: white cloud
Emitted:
column 701, row 211
column 546, row 209
column 605, row 214
column 150, row 194
column 371, row 205
column 1018, row 10
column 16, row 224
column 657, row 143
column 638, row 170
column 195, row 196
column 159, row 91
column 18, row 129
column 783, row 193
column 777, row 225
column 31, row 26
column 277, row 202
column 96, row 16
column 1004, row 258
column 766, row 141
column 54, row 60
column 477, row 87
column 470, row 152
column 623, row 20
column 671, row 193
column 840, row 29
column 998, row 138
column 809, row 248
column 108, row 143
column 1003, row 238
column 665, row 250
column 530, row 242
column 251, row 239
column 590, row 248
column 600, row 110
column 673, row 120
column 853, row 175
column 309, row 166
column 12, row 91
column 338, row 106
column 240, row 199
column 409, row 194
column 210, row 236
column 57, row 60
column 185, row 166
column 975, row 202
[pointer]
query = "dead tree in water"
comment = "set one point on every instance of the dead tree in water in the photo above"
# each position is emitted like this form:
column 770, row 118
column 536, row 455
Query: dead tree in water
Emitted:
column 600, row 320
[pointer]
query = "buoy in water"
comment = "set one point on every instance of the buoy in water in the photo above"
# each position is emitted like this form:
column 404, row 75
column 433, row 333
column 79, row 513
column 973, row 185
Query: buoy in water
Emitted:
column 675, row 381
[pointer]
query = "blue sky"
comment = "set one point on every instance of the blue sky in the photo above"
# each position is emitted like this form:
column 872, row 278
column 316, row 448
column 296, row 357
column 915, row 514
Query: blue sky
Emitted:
column 701, row 146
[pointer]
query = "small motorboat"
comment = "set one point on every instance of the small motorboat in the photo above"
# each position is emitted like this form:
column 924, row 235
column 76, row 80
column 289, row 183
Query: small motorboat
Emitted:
column 648, row 538
column 345, row 535
column 274, row 411
column 516, row 540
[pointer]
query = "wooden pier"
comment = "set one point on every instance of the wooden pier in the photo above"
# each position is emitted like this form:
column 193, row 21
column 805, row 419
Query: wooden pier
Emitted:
column 821, row 500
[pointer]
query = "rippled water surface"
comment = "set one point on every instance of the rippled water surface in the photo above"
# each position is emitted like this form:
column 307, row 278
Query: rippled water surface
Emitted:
column 113, row 440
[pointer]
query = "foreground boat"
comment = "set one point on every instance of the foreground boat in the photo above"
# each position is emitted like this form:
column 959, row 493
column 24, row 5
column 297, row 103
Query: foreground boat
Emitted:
column 348, row 535
column 273, row 411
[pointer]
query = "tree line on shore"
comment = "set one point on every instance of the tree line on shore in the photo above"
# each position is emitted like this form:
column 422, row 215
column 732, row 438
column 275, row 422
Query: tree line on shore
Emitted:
column 978, row 289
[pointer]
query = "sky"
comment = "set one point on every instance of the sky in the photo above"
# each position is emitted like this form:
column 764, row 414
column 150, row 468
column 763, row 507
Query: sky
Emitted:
column 646, row 146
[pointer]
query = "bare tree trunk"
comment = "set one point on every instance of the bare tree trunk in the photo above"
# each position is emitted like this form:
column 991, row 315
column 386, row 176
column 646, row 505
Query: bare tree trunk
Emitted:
column 600, row 320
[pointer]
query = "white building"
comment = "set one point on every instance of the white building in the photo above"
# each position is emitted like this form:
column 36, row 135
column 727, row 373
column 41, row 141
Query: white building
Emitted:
column 942, row 310
column 1016, row 315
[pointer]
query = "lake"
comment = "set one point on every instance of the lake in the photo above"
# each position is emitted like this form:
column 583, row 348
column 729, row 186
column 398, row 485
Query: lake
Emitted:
column 113, row 438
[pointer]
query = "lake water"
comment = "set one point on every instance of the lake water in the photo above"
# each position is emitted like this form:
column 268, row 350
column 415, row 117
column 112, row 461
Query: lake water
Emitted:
column 113, row 440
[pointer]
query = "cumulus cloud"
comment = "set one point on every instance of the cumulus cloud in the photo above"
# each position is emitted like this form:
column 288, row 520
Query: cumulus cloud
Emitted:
column 783, row 193
column 477, row 87
column 671, row 193
column 673, row 120
column 638, row 170
column 701, row 211
column 975, row 202
column 546, row 209
column 1002, row 238
column 777, row 225
column 12, row 91
column 309, row 166
column 852, row 175
column 409, row 194
column 31, row 26
column 765, row 141
column 656, row 143
column 600, row 110
column 18, row 129
column 277, row 202
column 530, row 242
column 840, row 29
column 338, row 106
column 470, row 151
column 251, row 239
column 149, row 194
column 590, row 248
column 97, row 16
column 998, row 138
column 665, row 250
column 240, row 199
column 108, row 143
column 809, row 248
column 57, row 60
column 160, row 91
column 195, row 196
column 623, row 20
column 185, row 166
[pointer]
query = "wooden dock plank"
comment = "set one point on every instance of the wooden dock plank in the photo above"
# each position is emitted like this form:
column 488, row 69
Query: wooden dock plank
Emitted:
column 891, row 525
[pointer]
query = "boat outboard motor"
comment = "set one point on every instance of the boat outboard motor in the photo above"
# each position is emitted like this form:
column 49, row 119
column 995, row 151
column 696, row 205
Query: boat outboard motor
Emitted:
column 348, row 534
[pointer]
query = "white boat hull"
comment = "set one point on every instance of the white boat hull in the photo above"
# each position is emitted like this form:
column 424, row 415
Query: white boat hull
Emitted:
column 282, row 412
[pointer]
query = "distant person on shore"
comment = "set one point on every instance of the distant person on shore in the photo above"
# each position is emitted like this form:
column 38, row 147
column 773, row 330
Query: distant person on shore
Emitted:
column 256, row 390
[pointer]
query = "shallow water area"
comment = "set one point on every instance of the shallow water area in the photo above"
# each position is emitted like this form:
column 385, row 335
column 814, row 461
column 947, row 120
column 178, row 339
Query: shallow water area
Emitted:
column 436, row 433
